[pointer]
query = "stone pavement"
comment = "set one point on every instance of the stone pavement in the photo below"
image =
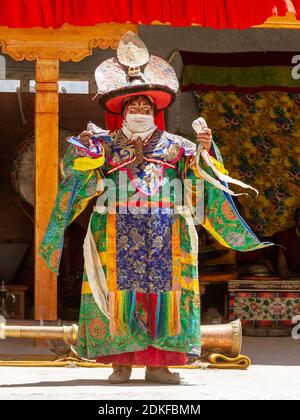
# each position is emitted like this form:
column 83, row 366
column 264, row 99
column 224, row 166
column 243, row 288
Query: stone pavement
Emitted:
column 274, row 374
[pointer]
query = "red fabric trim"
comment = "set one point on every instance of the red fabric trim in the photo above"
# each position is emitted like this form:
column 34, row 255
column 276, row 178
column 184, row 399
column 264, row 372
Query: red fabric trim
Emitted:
column 161, row 204
column 160, row 120
column 217, row 14
column 113, row 121
column 149, row 357
column 162, row 96
column 159, row 162
column 152, row 310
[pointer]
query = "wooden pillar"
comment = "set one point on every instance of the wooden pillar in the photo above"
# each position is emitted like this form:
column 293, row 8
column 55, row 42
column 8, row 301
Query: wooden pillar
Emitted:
column 46, row 180
column 48, row 47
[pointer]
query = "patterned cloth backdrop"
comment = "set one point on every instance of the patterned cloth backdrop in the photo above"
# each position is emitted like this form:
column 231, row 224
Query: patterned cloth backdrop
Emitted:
column 258, row 132
column 259, row 137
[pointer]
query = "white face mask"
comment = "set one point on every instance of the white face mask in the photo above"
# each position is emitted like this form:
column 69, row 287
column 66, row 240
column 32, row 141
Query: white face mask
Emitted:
column 140, row 123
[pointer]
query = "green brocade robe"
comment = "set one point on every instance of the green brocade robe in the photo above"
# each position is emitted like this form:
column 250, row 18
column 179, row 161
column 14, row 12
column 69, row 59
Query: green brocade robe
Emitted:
column 140, row 282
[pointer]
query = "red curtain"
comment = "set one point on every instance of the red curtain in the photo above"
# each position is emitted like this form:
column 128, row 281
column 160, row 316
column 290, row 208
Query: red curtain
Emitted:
column 217, row 14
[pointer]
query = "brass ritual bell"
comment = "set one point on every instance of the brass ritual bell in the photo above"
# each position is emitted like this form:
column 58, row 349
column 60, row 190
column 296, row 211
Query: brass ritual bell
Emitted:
column 222, row 338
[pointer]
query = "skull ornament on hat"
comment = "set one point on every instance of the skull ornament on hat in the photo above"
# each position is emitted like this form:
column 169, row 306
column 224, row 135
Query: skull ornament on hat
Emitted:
column 135, row 72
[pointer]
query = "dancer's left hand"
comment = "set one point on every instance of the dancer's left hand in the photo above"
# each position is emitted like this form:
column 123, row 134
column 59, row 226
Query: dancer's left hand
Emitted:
column 205, row 138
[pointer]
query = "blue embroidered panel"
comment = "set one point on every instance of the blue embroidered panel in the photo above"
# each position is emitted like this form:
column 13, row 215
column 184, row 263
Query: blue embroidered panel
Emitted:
column 144, row 251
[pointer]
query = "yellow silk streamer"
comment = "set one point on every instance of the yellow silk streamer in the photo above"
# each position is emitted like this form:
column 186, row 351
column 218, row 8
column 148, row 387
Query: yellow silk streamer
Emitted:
column 87, row 163
column 219, row 166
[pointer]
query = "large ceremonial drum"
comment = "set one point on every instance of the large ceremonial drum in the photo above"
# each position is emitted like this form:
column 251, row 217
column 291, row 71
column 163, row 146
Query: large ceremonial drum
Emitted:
column 22, row 174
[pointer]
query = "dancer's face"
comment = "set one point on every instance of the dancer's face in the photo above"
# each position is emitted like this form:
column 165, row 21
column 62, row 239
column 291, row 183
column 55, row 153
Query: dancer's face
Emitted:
column 139, row 105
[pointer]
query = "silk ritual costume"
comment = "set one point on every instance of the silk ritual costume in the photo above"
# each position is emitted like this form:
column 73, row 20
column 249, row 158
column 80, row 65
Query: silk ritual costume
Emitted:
column 140, row 300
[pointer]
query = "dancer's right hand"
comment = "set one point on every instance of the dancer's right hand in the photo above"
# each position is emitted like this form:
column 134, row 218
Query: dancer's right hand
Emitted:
column 85, row 137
